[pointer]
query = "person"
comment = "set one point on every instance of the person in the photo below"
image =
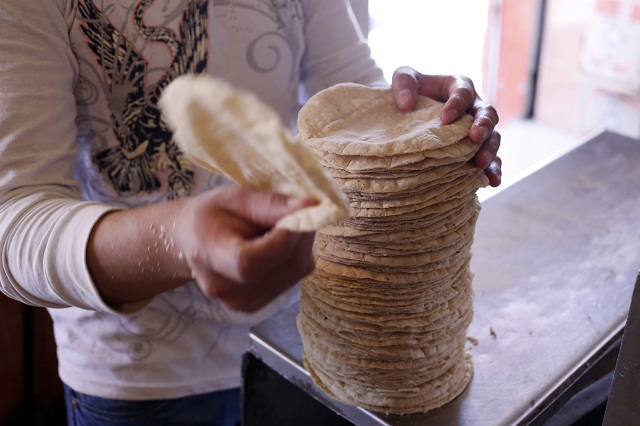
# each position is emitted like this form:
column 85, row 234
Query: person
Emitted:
column 152, row 269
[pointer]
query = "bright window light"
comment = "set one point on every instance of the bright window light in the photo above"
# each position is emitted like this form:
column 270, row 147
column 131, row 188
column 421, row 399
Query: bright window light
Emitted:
column 434, row 37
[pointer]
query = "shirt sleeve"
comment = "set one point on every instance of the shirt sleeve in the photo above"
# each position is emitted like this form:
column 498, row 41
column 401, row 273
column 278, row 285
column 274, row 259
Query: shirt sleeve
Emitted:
column 44, row 224
column 336, row 49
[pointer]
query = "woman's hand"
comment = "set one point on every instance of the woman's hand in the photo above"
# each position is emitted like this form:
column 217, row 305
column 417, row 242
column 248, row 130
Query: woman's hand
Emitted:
column 460, row 97
column 235, row 254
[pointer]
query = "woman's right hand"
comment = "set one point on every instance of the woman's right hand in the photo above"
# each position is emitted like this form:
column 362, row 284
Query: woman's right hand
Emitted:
column 228, row 239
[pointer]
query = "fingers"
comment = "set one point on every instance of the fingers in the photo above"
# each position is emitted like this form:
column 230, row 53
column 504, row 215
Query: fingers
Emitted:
column 280, row 247
column 228, row 240
column 494, row 172
column 458, row 95
column 485, row 119
column 488, row 150
column 487, row 158
column 457, row 92
column 276, row 250
column 262, row 269
column 405, row 84
column 260, row 208
column 463, row 99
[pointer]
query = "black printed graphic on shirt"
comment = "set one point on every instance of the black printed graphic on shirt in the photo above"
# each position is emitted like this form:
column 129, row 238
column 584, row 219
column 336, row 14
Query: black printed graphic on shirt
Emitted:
column 146, row 151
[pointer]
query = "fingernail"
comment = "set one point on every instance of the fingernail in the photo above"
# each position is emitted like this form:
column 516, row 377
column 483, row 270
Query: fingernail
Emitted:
column 403, row 97
column 451, row 116
column 486, row 159
column 485, row 132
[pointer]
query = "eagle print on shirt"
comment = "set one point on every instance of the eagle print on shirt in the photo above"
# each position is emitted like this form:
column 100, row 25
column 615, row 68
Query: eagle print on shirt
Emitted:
column 146, row 150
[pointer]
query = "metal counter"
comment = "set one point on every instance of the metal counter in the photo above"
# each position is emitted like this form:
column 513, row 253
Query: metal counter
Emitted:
column 555, row 259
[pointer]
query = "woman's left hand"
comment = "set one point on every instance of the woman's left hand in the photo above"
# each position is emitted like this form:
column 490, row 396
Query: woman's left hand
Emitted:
column 460, row 97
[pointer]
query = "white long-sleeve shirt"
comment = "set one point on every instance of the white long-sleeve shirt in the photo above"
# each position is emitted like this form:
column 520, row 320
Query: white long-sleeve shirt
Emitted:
column 80, row 134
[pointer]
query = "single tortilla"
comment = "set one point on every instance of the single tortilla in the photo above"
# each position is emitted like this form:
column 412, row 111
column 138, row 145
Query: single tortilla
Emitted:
column 369, row 120
column 232, row 132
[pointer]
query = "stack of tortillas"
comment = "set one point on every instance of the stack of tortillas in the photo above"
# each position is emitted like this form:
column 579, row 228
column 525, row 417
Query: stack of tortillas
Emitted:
column 383, row 318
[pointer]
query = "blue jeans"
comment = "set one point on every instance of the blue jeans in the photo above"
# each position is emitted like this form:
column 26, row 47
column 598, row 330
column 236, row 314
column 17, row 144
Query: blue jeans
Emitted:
column 214, row 409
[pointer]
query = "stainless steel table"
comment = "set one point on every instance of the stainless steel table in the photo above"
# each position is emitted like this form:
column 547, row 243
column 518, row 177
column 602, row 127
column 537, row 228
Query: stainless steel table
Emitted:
column 555, row 258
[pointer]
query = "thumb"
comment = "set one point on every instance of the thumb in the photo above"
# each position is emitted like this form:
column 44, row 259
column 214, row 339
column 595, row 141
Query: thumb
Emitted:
column 264, row 209
column 405, row 87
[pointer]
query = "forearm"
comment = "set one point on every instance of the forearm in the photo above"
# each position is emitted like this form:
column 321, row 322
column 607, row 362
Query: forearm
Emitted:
column 133, row 255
